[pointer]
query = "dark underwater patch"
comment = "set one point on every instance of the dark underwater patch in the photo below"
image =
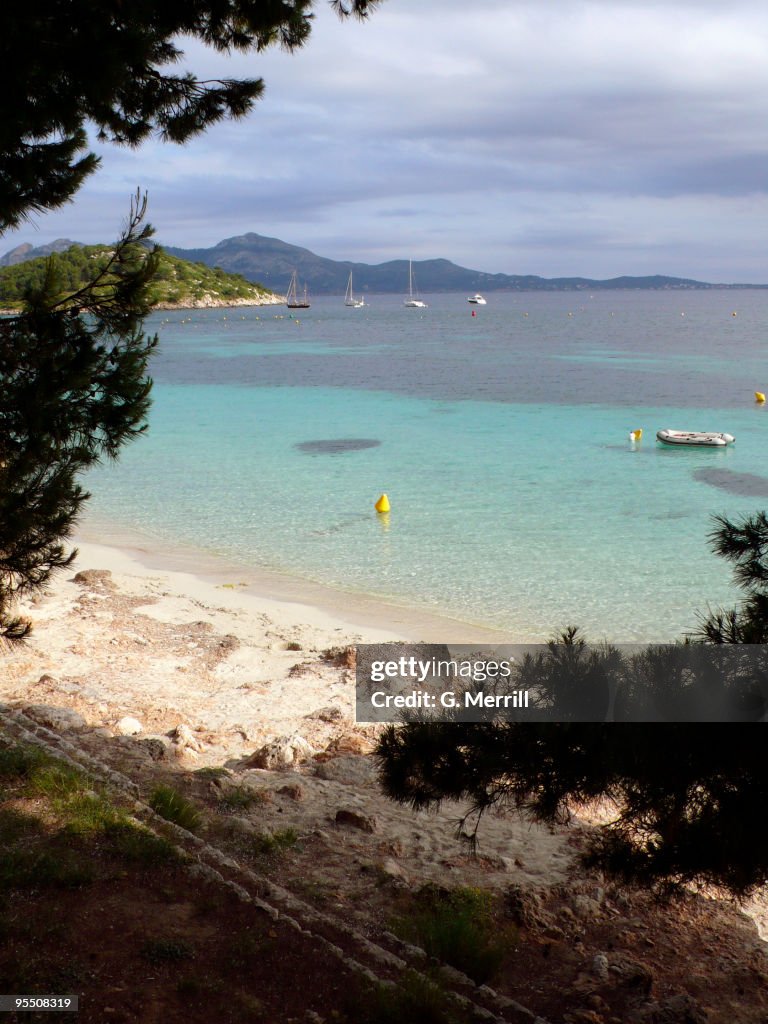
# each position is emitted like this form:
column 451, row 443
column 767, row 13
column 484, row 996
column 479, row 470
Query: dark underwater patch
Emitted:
column 336, row 445
column 749, row 484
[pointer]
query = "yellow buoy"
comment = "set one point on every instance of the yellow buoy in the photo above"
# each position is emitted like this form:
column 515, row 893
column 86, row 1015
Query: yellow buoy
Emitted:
column 635, row 435
column 759, row 397
column 382, row 505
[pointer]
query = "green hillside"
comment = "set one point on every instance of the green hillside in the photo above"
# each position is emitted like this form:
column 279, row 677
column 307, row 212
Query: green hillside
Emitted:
column 178, row 282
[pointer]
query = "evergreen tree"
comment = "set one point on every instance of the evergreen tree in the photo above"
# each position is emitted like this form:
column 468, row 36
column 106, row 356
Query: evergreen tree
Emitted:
column 73, row 390
column 66, row 64
column 690, row 796
column 746, row 545
column 73, row 382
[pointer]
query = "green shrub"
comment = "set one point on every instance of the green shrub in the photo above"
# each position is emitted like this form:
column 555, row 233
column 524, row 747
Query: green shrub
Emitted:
column 414, row 1000
column 457, row 927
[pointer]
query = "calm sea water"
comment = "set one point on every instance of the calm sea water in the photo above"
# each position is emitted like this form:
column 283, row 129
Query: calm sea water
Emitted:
column 500, row 438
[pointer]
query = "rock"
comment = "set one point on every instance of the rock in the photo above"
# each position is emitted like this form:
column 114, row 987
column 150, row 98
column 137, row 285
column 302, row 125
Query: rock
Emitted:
column 679, row 1009
column 281, row 753
column 585, row 908
column 60, row 719
column 352, row 770
column 585, row 1017
column 524, row 907
column 156, row 746
column 600, row 966
column 394, row 870
column 328, row 714
column 184, row 739
column 95, row 579
column 349, row 743
column 127, row 726
column 631, row 975
column 364, row 822
column 293, row 791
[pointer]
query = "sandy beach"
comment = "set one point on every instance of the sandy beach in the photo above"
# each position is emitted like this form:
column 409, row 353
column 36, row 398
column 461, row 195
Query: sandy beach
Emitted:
column 117, row 636
column 160, row 672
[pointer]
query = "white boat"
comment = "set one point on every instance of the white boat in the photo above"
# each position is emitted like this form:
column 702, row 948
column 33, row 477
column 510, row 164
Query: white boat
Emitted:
column 349, row 298
column 476, row 300
column 292, row 299
column 706, row 439
column 413, row 301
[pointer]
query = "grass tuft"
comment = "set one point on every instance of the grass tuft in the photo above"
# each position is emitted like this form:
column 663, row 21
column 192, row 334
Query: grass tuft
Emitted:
column 272, row 844
column 171, row 805
column 241, row 799
column 56, row 781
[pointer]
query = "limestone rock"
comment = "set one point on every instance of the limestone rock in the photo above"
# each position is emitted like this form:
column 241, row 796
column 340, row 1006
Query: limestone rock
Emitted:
column 184, row 740
column 156, row 746
column 352, row 770
column 293, row 791
column 284, row 752
column 327, row 714
column 600, row 966
column 128, row 726
column 349, row 743
column 364, row 822
column 59, row 719
column 394, row 870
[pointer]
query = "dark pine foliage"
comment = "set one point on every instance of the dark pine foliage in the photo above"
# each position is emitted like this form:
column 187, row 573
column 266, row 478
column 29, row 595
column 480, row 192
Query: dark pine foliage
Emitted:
column 73, row 390
column 68, row 64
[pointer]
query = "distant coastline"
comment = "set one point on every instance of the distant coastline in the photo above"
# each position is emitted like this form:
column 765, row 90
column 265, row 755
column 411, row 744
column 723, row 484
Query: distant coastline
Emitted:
column 269, row 262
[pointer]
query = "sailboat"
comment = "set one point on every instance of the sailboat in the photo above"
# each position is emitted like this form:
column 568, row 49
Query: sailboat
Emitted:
column 413, row 300
column 349, row 298
column 292, row 300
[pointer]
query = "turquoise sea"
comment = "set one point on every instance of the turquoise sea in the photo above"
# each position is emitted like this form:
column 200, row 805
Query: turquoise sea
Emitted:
column 500, row 438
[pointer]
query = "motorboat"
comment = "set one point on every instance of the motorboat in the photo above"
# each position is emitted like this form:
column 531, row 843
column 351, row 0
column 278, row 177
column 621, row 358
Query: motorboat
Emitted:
column 705, row 439
column 476, row 300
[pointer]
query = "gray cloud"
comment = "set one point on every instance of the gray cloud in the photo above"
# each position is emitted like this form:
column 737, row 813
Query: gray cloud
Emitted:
column 561, row 138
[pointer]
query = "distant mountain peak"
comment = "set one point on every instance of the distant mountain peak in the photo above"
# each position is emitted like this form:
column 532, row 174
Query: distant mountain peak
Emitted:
column 26, row 251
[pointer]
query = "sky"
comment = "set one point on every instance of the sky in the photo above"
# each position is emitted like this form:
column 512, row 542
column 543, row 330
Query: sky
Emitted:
column 549, row 137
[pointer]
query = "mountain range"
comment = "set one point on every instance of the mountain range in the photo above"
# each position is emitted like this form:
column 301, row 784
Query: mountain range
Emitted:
column 270, row 262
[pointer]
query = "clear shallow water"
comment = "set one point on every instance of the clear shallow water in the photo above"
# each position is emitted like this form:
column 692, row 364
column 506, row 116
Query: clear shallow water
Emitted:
column 517, row 500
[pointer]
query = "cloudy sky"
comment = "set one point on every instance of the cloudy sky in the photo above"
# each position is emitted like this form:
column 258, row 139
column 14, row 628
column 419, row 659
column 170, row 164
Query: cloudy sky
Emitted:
column 551, row 137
